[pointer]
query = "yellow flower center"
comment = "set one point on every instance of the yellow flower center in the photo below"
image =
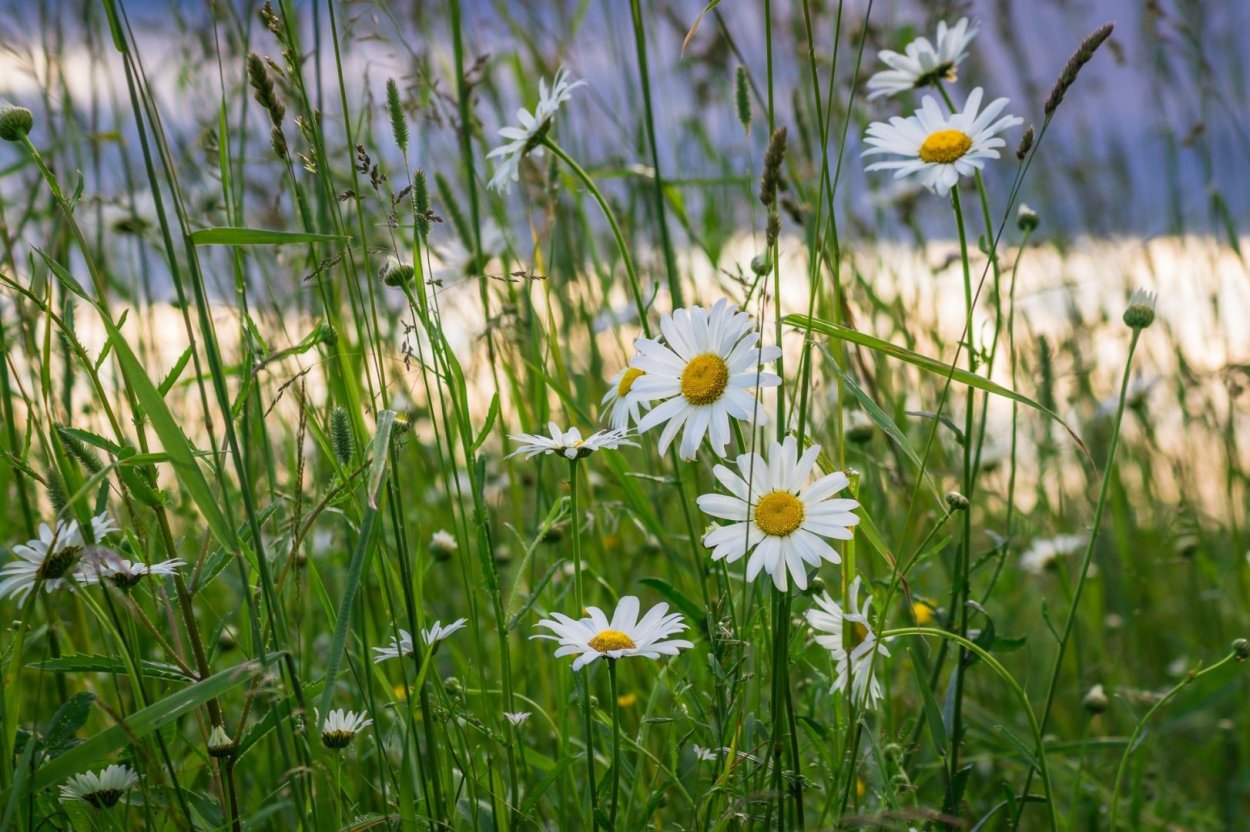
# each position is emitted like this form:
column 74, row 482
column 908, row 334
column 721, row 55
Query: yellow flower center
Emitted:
column 945, row 146
column 627, row 381
column 611, row 640
column 858, row 633
column 58, row 564
column 705, row 378
column 779, row 513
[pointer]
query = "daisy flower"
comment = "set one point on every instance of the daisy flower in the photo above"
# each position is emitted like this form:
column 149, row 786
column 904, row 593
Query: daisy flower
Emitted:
column 849, row 637
column 1045, row 553
column 596, row 637
column 103, row 789
column 706, row 755
column 526, row 137
column 623, row 409
column 778, row 516
column 922, row 63
column 221, row 744
column 938, row 146
column 107, row 564
column 438, row 632
column 400, row 647
column 517, row 718
column 341, row 727
column 443, row 544
column 702, row 373
column 569, row 443
column 52, row 559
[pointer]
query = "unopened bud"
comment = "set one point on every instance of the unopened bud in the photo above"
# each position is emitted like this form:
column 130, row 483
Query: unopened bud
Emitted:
column 1241, row 649
column 1026, row 218
column 1095, row 702
column 1141, row 309
column 15, row 123
column 956, row 501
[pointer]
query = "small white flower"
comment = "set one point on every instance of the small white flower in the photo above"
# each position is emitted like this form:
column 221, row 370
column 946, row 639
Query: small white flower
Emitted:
column 517, row 718
column 839, row 629
column 443, row 544
column 623, row 409
column 526, row 137
column 50, row 560
column 702, row 754
column 105, row 564
column 341, row 727
column 101, row 790
column 596, row 637
column 777, row 515
column 220, row 744
column 568, row 443
column 937, row 146
column 1045, row 553
column 702, row 373
column 438, row 632
column 923, row 63
column 401, row 647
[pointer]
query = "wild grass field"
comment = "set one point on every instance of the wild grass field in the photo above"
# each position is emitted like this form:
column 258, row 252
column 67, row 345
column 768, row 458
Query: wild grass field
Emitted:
column 790, row 414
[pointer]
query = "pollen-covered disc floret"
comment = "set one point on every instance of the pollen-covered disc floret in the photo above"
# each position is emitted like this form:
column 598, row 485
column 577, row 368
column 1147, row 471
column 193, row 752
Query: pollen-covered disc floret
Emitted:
column 101, row 790
column 524, row 139
column 623, row 635
column 923, row 63
column 853, row 644
column 341, row 727
column 939, row 147
column 777, row 516
column 568, row 443
column 701, row 373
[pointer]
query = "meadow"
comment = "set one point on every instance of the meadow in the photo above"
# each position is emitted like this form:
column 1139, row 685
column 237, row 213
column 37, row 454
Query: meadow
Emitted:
column 819, row 414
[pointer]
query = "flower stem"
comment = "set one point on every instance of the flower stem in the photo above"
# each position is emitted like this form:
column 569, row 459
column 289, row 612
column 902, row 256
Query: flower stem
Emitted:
column 579, row 597
column 616, row 743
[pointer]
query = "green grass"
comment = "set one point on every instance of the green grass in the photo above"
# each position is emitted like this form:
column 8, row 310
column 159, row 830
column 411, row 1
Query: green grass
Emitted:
column 201, row 336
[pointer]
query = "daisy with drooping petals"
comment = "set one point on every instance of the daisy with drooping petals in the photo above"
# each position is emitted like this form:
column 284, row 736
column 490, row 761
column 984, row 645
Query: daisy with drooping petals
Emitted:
column 849, row 637
column 569, row 443
column 517, row 718
column 400, row 648
column 923, row 63
column 525, row 138
column 101, row 790
column 341, row 727
column 624, row 635
column 52, row 559
column 777, row 515
column 623, row 409
column 937, row 146
column 105, row 564
column 701, row 374
column 437, row 632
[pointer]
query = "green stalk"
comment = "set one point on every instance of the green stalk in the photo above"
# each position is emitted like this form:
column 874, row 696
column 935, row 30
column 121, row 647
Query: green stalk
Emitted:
column 616, row 743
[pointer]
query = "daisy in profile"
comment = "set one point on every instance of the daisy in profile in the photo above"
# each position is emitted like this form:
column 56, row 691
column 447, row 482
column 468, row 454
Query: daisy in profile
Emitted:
column 50, row 560
column 341, row 727
column 777, row 516
column 702, row 373
column 922, row 63
column 400, row 648
column 624, row 635
column 939, row 147
column 850, row 639
column 101, row 790
column 105, row 564
column 623, row 409
column 437, row 632
column 517, row 718
column 1046, row 553
column 568, row 443
column 526, row 138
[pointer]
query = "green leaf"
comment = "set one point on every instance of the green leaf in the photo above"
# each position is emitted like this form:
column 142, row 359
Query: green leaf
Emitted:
column 491, row 415
column 83, row 663
column 171, row 377
column 140, row 724
column 932, row 713
column 68, row 718
column 226, row 236
column 90, row 438
column 924, row 362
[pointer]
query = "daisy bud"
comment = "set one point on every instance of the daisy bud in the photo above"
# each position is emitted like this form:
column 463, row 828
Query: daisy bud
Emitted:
column 395, row 273
column 1241, row 649
column 815, row 586
column 1095, row 702
column 219, row 743
column 956, row 501
column 1141, row 309
column 1026, row 218
column 15, row 123
column 455, row 688
column 443, row 545
column 761, row 265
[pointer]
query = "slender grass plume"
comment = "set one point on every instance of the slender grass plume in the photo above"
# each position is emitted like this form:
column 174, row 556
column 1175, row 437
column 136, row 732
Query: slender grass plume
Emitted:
column 624, row 416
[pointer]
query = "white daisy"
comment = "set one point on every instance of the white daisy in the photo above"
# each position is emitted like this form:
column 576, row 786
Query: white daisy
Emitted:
column 103, row 789
column 569, row 442
column 1045, row 553
column 855, row 666
column 595, row 636
column 438, row 632
column 777, row 515
column 526, row 138
column 400, row 647
column 220, row 744
column 702, row 754
column 103, row 563
column 623, row 409
column 702, row 373
column 443, row 544
column 517, row 718
column 52, row 559
column 341, row 727
column 923, row 63
column 939, row 146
